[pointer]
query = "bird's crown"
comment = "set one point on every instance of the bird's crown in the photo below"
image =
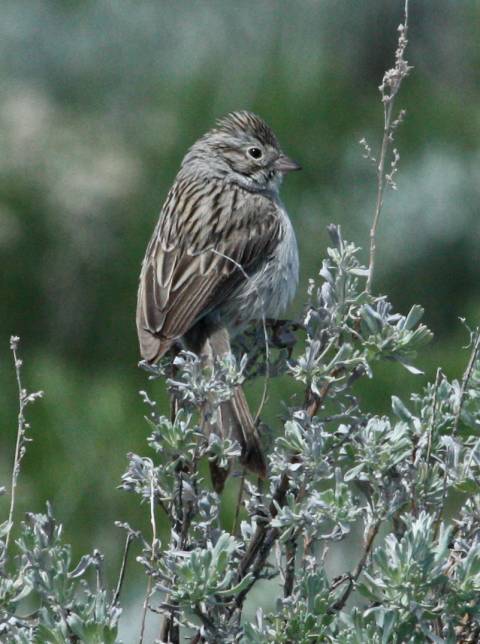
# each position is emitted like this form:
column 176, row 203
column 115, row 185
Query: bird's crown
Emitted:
column 241, row 123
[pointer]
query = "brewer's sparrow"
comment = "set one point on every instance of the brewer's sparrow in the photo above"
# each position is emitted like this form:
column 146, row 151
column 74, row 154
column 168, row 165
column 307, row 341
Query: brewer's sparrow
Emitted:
column 223, row 253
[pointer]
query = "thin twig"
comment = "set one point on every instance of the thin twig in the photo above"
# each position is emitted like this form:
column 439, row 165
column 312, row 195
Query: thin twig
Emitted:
column 206, row 621
column 174, row 402
column 290, row 551
column 257, row 540
column 169, row 629
column 466, row 379
column 196, row 638
column 431, row 425
column 353, row 577
column 314, row 401
column 380, row 191
column 463, row 388
column 152, row 558
column 239, row 502
column 263, row 551
column 389, row 89
column 123, row 565
column 23, row 400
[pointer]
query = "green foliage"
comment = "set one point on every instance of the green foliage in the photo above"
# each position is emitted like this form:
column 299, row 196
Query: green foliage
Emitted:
column 204, row 576
column 66, row 607
column 329, row 470
column 303, row 618
column 333, row 468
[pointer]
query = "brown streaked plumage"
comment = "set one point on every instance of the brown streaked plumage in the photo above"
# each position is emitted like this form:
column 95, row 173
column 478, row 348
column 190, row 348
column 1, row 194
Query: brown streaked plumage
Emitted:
column 223, row 252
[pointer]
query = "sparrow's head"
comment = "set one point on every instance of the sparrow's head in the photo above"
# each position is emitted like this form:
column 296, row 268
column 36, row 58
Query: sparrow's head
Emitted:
column 244, row 149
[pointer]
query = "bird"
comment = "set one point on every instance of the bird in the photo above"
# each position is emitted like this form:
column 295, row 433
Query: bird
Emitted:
column 223, row 253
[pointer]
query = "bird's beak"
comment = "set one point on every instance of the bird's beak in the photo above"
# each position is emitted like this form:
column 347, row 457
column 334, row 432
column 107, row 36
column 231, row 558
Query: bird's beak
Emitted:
column 285, row 164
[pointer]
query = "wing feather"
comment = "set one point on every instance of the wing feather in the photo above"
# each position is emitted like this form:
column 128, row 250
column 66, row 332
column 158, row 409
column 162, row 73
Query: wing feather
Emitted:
column 185, row 277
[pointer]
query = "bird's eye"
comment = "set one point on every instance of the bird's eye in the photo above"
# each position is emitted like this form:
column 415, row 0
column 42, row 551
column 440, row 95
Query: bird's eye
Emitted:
column 255, row 153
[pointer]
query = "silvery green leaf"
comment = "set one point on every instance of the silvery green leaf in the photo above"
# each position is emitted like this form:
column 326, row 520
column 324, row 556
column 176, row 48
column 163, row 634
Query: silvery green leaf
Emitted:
column 353, row 472
column 76, row 625
column 372, row 319
column 4, row 528
column 234, row 590
column 360, row 272
column 414, row 316
column 468, row 486
column 25, row 590
column 408, row 366
column 326, row 274
column 293, row 467
column 85, row 562
column 400, row 410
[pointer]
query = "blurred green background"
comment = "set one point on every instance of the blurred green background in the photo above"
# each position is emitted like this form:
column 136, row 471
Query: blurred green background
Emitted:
column 100, row 101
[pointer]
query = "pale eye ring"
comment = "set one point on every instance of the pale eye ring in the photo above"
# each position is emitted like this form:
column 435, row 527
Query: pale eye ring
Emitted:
column 255, row 153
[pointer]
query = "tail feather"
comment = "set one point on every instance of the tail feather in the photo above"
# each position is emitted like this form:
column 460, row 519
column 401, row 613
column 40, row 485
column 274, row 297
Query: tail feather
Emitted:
column 234, row 418
column 246, row 434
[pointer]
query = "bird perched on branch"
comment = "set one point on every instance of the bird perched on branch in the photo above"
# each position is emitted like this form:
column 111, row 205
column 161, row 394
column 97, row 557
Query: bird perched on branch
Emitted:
column 223, row 253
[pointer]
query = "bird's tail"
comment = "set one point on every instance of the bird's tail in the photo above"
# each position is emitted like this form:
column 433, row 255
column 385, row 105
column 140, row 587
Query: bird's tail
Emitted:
column 233, row 418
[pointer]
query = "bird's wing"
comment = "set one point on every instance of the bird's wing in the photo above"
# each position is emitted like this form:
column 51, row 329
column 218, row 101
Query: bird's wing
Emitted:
column 193, row 260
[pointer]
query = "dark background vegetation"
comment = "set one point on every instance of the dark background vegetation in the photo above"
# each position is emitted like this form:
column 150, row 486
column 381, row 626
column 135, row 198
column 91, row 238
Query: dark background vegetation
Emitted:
column 100, row 101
